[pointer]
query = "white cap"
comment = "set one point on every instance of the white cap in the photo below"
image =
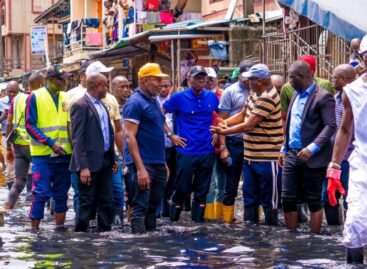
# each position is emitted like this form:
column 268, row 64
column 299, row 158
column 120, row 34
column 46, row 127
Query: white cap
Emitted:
column 97, row 67
column 363, row 46
column 211, row 72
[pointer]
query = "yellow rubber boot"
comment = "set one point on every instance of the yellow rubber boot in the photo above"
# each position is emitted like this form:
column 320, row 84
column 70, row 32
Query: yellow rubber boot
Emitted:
column 218, row 210
column 209, row 211
column 228, row 213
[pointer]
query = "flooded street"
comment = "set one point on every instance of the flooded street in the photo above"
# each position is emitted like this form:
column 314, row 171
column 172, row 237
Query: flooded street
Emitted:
column 182, row 245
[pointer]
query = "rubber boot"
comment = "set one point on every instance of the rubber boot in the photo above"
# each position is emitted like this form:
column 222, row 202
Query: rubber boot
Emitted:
column 165, row 209
column 174, row 211
column 355, row 255
column 332, row 215
column 138, row 225
column 271, row 217
column 218, row 210
column 29, row 195
column 228, row 213
column 209, row 211
column 151, row 222
column 251, row 215
column 302, row 213
column 197, row 212
column 187, row 204
column 118, row 219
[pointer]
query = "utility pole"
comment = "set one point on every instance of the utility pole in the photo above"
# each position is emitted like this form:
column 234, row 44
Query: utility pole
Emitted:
column 248, row 7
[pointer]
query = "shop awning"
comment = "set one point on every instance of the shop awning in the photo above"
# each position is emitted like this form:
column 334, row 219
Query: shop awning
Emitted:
column 342, row 17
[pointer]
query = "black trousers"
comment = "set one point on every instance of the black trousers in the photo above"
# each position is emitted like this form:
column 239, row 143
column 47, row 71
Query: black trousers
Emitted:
column 99, row 193
column 171, row 163
column 194, row 173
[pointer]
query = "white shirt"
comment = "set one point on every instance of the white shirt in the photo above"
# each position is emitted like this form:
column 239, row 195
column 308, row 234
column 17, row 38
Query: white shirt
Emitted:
column 169, row 121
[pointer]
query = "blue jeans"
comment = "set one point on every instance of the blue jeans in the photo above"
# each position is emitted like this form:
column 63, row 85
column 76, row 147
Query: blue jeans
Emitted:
column 260, row 184
column 49, row 180
column 218, row 181
column 344, row 178
column 233, row 172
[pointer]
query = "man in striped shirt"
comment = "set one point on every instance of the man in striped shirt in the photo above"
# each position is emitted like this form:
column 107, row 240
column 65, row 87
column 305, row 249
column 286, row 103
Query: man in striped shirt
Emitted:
column 261, row 123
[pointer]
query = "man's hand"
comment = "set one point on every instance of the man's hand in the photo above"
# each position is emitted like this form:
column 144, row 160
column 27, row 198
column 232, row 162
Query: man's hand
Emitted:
column 9, row 155
column 222, row 123
column 178, row 141
column 224, row 155
column 4, row 116
column 217, row 129
column 58, row 149
column 115, row 167
column 304, row 155
column 334, row 184
column 281, row 159
column 143, row 178
column 85, row 177
column 214, row 139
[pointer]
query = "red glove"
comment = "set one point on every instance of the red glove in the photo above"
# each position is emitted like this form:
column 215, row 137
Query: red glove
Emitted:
column 334, row 184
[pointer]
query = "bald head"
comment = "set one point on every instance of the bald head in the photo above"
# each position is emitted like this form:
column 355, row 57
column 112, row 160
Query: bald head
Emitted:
column 119, row 79
column 12, row 89
column 36, row 81
column 97, row 85
column 277, row 81
column 342, row 75
column 355, row 44
column 120, row 89
column 300, row 75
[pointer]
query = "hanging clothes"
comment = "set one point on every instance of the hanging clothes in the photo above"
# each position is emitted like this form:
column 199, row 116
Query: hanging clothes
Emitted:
column 92, row 22
column 218, row 49
column 153, row 17
column 152, row 4
column 166, row 17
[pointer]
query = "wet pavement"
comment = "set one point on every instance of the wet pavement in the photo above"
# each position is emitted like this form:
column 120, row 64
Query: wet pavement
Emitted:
column 181, row 245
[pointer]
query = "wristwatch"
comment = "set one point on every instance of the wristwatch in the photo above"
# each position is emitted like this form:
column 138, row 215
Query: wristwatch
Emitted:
column 334, row 165
column 222, row 147
column 169, row 134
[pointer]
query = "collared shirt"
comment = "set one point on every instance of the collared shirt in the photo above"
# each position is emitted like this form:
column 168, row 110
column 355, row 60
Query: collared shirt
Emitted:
column 233, row 100
column 295, row 125
column 77, row 91
column 103, row 118
column 194, row 116
column 339, row 107
column 169, row 121
column 146, row 112
column 4, row 105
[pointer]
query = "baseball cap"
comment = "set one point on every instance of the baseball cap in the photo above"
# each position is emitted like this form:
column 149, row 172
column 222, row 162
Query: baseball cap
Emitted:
column 84, row 66
column 311, row 60
column 245, row 66
column 151, row 70
column 235, row 74
column 97, row 67
column 257, row 71
column 196, row 70
column 363, row 45
column 56, row 71
column 211, row 72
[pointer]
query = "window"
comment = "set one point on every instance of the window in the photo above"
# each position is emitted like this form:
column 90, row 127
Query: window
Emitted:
column 41, row 5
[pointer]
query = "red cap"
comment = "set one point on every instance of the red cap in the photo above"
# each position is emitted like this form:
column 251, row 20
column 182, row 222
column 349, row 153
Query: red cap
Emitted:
column 311, row 62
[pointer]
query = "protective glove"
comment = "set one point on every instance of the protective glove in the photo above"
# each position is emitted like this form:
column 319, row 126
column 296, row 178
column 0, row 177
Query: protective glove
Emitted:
column 334, row 184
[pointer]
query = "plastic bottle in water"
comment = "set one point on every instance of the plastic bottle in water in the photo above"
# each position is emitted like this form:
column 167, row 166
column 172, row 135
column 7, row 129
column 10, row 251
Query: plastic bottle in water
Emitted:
column 229, row 161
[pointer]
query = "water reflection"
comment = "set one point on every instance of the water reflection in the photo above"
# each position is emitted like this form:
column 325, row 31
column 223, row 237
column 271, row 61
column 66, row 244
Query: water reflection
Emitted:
column 182, row 245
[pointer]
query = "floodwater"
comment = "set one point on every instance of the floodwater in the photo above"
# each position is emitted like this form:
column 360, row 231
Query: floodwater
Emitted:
column 181, row 245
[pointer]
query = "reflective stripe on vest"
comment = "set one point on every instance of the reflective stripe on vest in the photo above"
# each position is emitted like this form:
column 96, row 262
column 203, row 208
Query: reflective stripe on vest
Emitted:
column 51, row 121
column 19, row 105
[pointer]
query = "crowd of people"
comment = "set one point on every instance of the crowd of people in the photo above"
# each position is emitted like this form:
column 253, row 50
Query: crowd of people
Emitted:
column 155, row 152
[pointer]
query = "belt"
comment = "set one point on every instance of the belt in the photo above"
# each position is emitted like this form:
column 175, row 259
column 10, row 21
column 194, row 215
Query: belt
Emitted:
column 295, row 150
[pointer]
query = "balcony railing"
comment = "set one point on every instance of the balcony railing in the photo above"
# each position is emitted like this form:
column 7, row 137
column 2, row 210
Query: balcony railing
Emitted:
column 86, row 40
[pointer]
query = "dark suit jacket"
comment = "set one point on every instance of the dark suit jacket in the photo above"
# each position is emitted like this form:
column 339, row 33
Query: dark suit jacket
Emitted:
column 318, row 125
column 87, row 137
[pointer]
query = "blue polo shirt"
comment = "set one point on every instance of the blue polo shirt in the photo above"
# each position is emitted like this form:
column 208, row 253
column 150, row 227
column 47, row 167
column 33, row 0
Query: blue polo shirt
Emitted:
column 194, row 116
column 146, row 112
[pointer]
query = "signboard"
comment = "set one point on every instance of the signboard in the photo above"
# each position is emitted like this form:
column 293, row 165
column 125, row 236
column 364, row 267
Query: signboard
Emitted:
column 39, row 40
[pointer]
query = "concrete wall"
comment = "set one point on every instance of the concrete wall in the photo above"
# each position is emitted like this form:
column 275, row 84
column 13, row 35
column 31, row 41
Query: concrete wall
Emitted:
column 192, row 6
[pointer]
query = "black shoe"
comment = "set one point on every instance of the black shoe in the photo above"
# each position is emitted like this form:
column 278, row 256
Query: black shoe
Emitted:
column 138, row 225
column 174, row 211
column 187, row 204
column 251, row 215
column 355, row 255
column 271, row 217
column 197, row 211
column 151, row 222
column 332, row 215
column 302, row 214
column 165, row 209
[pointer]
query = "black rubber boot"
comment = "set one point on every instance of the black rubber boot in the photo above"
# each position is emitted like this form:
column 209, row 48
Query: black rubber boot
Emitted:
column 302, row 213
column 138, row 225
column 271, row 217
column 174, row 211
column 165, row 209
column 332, row 215
column 197, row 211
column 355, row 255
column 187, row 204
column 251, row 215
column 151, row 222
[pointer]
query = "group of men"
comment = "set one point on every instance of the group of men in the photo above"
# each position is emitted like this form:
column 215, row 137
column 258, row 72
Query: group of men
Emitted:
column 193, row 145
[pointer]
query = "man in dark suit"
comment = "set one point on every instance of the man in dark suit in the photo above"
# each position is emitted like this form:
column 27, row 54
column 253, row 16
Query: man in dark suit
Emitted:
column 93, row 154
column 307, row 149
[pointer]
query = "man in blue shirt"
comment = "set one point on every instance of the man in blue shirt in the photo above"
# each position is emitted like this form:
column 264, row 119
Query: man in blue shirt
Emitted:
column 144, row 125
column 307, row 148
column 194, row 109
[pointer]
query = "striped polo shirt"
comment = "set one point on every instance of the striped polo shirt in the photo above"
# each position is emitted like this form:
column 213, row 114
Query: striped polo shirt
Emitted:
column 264, row 142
